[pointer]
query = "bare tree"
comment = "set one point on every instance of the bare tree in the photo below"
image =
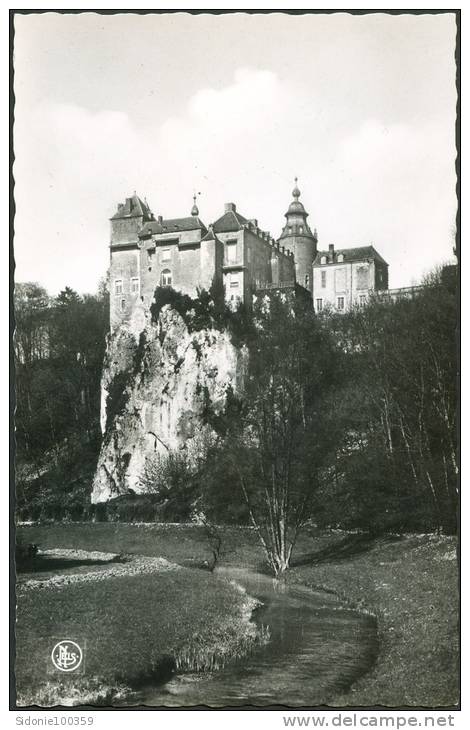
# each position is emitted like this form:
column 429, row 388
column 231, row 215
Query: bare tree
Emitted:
column 277, row 440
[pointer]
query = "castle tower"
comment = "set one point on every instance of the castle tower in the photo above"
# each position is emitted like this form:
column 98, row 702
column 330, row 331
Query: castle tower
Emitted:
column 125, row 267
column 298, row 238
column 129, row 219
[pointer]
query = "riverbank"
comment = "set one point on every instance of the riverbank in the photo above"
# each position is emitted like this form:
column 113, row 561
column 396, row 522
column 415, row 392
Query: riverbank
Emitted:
column 137, row 621
column 411, row 584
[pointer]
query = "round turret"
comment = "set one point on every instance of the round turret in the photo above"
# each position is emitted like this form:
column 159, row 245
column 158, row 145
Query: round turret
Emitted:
column 299, row 239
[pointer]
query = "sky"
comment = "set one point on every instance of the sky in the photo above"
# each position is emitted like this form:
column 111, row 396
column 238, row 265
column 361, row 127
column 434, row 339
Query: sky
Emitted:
column 233, row 107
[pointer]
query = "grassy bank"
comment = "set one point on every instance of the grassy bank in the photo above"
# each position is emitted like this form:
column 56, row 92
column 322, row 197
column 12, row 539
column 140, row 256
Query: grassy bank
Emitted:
column 411, row 584
column 183, row 544
column 133, row 628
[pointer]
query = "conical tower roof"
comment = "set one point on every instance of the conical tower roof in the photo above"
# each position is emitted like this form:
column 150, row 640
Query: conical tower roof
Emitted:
column 296, row 206
column 296, row 217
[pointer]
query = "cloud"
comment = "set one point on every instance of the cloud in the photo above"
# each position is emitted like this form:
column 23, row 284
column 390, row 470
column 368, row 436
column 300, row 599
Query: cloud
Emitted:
column 396, row 187
column 70, row 166
column 389, row 183
column 228, row 135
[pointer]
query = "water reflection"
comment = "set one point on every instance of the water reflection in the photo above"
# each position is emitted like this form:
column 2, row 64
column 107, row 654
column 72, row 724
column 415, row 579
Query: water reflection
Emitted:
column 318, row 647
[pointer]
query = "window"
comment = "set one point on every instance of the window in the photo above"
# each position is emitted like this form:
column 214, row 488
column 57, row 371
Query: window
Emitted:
column 166, row 254
column 319, row 305
column 323, row 260
column 234, row 283
column 340, row 303
column 118, row 286
column 166, row 278
column 340, row 258
column 231, row 252
column 123, row 304
column 150, row 255
column 323, row 279
column 307, row 281
column 290, row 229
column 340, row 279
column 362, row 300
column 362, row 277
column 134, row 286
column 301, row 229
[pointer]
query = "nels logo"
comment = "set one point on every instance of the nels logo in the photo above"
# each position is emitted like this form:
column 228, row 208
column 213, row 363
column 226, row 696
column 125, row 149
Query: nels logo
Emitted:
column 67, row 656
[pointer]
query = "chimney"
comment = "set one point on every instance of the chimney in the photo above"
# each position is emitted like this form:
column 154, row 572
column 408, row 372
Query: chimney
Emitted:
column 254, row 222
column 230, row 207
column 160, row 219
column 331, row 252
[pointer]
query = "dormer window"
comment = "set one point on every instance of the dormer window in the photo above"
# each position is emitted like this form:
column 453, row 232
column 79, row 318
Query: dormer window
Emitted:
column 340, row 258
column 323, row 260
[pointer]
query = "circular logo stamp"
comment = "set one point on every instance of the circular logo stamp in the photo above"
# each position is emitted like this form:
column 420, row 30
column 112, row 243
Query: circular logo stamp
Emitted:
column 67, row 656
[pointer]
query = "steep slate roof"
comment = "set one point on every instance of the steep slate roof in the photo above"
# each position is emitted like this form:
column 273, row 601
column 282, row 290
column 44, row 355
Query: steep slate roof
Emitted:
column 357, row 253
column 229, row 221
column 133, row 208
column 210, row 236
column 172, row 225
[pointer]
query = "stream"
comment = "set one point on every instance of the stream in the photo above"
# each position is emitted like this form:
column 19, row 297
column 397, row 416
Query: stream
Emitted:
column 317, row 649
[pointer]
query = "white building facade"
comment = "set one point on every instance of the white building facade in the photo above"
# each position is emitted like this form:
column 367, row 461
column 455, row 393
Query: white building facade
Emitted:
column 346, row 277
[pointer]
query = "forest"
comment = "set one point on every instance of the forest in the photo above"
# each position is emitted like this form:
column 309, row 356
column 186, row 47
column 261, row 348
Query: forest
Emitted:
column 347, row 420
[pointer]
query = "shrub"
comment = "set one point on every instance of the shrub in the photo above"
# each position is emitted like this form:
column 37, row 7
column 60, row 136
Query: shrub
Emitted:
column 207, row 311
column 25, row 553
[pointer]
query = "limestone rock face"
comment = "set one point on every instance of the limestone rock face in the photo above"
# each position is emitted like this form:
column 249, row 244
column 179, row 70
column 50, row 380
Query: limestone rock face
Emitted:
column 157, row 380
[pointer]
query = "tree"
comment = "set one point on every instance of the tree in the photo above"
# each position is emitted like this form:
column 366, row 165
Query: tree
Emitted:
column 59, row 347
column 178, row 485
column 277, row 439
column 402, row 373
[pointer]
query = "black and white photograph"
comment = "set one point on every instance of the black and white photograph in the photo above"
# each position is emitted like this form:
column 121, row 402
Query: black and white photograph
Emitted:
column 235, row 287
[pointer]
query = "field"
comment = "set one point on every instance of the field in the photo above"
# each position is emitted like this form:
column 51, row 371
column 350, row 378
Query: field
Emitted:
column 134, row 627
column 183, row 544
column 410, row 583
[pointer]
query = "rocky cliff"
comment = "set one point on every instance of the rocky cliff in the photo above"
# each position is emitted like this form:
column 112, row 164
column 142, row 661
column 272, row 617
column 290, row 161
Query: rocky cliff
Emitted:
column 158, row 379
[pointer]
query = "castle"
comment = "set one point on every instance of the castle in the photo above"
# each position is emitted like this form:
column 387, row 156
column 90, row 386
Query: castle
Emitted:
column 164, row 411
column 235, row 251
